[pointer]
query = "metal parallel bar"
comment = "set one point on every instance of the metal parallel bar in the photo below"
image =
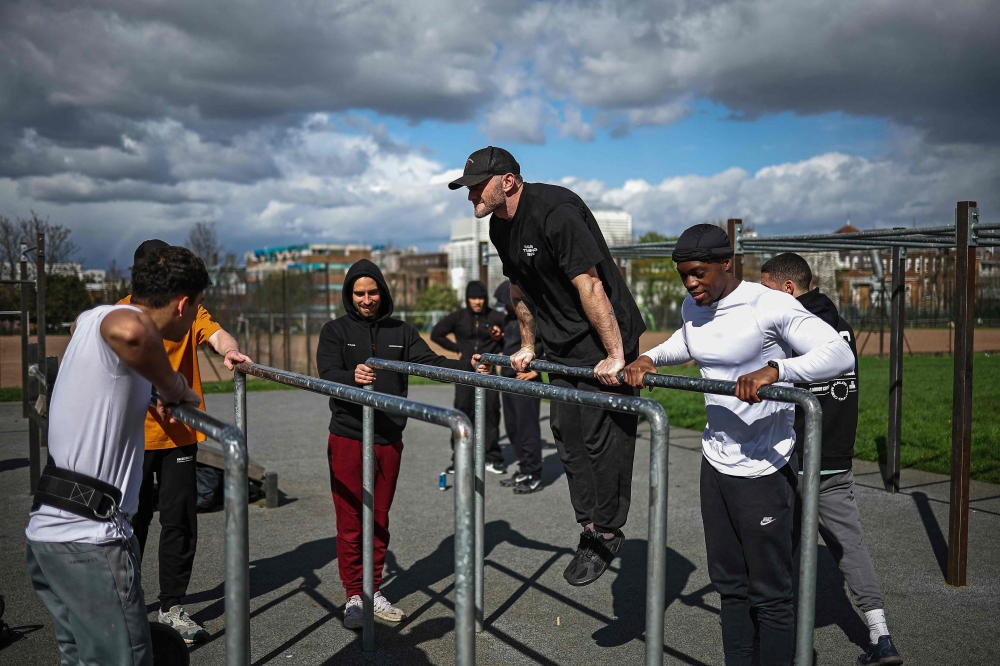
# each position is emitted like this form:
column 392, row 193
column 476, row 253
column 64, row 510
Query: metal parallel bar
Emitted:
column 286, row 339
column 480, row 502
column 961, row 418
column 368, row 525
column 658, row 464
column 810, row 467
column 25, row 332
column 458, row 423
column 34, row 433
column 40, row 293
column 898, row 320
column 36, row 374
column 237, row 534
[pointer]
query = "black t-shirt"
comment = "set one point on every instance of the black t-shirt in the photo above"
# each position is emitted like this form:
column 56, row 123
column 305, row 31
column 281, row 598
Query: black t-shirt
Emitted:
column 552, row 238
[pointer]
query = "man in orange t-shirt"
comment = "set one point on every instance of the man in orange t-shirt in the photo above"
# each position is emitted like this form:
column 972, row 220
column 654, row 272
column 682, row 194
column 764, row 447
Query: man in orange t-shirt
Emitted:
column 171, row 454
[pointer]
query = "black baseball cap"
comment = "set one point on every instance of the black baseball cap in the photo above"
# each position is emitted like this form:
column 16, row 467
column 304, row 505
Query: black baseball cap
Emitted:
column 484, row 163
column 147, row 248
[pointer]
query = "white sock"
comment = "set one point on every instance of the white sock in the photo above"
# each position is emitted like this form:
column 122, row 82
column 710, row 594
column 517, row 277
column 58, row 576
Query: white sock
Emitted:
column 877, row 625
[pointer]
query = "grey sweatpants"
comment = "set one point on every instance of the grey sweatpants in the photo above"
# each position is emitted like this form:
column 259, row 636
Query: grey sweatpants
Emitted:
column 99, row 617
column 840, row 527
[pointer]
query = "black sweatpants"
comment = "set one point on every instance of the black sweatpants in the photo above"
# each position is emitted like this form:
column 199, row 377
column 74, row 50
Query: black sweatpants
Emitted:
column 597, row 449
column 748, row 538
column 178, row 499
column 465, row 401
column 520, row 418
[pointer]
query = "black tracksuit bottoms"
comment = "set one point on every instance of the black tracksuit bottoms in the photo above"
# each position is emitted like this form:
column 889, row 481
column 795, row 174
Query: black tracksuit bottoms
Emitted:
column 597, row 448
column 520, row 418
column 178, row 500
column 748, row 538
column 465, row 401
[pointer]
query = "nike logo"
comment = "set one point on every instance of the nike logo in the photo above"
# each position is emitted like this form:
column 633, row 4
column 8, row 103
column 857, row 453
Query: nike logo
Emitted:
column 766, row 521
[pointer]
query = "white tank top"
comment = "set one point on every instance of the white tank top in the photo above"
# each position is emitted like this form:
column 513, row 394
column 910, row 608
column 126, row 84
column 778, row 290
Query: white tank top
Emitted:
column 96, row 428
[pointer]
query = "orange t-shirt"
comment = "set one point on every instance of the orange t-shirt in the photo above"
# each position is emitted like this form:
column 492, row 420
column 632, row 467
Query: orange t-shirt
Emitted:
column 184, row 359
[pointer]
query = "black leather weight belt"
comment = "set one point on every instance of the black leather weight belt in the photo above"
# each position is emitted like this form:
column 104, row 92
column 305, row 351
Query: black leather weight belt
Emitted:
column 78, row 494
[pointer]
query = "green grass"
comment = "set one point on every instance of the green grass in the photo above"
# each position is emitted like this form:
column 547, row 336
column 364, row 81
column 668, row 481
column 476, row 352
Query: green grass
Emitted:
column 927, row 392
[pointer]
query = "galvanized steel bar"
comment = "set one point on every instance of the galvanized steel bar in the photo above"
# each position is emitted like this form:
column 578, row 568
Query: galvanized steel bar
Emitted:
column 368, row 525
column 458, row 423
column 810, row 468
column 34, row 433
column 898, row 319
column 40, row 292
column 237, row 532
column 658, row 463
column 240, row 400
column 480, row 503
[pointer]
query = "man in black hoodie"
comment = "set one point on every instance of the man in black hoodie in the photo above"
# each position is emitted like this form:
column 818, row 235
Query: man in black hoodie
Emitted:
column 367, row 329
column 839, row 519
column 477, row 330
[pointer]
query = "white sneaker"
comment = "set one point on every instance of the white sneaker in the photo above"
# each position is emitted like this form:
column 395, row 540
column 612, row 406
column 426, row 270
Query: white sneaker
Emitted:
column 190, row 631
column 354, row 614
column 385, row 610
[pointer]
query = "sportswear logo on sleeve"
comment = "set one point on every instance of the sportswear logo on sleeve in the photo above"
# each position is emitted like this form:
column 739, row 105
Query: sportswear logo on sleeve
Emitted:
column 397, row 346
column 184, row 459
column 766, row 521
column 530, row 250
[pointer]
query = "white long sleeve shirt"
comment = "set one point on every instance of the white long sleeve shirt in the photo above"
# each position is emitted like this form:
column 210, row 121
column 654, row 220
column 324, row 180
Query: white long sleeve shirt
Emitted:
column 738, row 335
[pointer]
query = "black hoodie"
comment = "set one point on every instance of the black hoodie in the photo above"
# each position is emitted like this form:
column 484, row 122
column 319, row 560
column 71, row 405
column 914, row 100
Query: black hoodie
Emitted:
column 838, row 397
column 350, row 340
column 471, row 329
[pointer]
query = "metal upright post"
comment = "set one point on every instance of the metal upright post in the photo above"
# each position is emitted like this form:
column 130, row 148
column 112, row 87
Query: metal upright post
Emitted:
column 34, row 444
column 326, row 270
column 484, row 262
column 898, row 312
column 961, row 419
column 25, row 331
column 480, row 502
column 240, row 393
column 270, row 335
column 286, row 340
column 465, row 573
column 40, row 289
column 735, row 229
column 309, row 293
column 368, row 525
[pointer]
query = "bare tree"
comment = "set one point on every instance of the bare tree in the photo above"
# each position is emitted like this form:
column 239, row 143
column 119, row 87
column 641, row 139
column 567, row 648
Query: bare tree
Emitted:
column 115, row 284
column 204, row 242
column 59, row 248
column 10, row 247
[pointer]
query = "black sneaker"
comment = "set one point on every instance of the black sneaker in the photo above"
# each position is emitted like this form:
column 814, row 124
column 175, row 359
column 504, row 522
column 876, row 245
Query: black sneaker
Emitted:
column 882, row 653
column 593, row 556
column 515, row 480
column 531, row 484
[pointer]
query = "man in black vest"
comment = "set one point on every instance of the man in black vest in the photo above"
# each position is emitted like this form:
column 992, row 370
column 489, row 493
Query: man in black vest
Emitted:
column 565, row 285
column 477, row 330
column 839, row 520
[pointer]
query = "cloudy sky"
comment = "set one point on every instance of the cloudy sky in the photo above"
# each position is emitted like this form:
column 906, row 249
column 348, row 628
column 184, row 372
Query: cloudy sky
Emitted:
column 335, row 121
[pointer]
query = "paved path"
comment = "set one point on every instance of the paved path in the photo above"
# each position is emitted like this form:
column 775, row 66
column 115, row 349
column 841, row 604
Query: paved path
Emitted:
column 533, row 616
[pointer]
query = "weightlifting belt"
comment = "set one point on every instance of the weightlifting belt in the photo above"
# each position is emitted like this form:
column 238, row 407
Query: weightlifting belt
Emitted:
column 78, row 494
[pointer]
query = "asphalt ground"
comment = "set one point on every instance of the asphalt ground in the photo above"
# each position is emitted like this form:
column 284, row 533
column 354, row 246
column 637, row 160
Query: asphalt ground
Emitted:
column 532, row 615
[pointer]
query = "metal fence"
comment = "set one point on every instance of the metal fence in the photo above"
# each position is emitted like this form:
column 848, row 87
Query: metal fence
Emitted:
column 658, row 451
column 458, row 423
column 810, row 491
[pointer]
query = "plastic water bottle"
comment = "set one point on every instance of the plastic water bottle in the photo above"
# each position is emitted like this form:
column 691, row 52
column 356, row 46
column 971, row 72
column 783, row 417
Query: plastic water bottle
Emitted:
column 443, row 481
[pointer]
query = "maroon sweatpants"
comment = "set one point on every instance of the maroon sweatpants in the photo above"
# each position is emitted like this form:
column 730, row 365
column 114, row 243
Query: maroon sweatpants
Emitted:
column 344, row 456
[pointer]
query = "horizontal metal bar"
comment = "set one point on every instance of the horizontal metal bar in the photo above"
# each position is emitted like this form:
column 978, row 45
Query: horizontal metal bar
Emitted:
column 386, row 403
column 612, row 401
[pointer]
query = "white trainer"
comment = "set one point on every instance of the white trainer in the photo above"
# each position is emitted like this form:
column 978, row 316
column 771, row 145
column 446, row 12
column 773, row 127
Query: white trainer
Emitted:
column 354, row 613
column 385, row 610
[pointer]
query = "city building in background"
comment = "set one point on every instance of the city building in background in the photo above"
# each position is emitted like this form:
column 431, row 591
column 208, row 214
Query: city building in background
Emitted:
column 471, row 255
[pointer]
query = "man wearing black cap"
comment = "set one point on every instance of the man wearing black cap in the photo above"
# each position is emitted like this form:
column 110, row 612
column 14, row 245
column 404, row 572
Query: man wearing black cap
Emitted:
column 565, row 284
column 477, row 330
column 745, row 332
column 171, row 454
